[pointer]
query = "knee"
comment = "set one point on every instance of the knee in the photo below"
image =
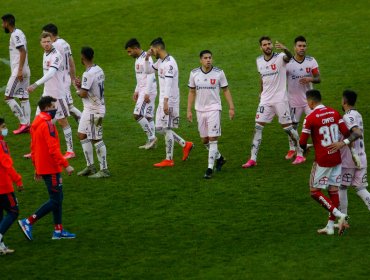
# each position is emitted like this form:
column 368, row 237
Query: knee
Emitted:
column 81, row 136
column 14, row 213
column 136, row 117
column 205, row 140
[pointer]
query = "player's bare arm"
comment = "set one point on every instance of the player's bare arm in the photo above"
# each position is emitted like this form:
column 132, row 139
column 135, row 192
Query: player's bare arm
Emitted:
column 229, row 100
column 82, row 93
column 288, row 54
column 72, row 70
column 22, row 59
column 191, row 98
column 165, row 106
column 315, row 79
column 355, row 134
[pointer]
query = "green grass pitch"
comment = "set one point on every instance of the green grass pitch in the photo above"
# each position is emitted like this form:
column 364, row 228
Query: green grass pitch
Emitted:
column 146, row 223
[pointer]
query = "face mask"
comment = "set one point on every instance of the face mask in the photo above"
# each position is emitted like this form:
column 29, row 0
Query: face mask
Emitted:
column 4, row 132
column 52, row 113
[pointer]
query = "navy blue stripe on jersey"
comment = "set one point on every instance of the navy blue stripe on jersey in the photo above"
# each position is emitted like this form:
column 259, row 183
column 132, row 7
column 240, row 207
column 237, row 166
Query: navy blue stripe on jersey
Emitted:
column 156, row 69
column 169, row 77
column 12, row 89
column 54, row 67
column 19, row 47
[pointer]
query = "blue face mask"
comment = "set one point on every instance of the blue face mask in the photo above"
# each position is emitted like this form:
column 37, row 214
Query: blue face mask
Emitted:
column 52, row 113
column 4, row 132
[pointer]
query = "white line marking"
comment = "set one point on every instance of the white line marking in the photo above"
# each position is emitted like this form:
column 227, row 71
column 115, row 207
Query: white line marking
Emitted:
column 5, row 61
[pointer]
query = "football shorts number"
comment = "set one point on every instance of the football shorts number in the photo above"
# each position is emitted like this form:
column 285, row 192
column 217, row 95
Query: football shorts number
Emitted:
column 330, row 134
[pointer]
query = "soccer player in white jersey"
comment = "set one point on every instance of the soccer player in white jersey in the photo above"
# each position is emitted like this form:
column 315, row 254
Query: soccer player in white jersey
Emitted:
column 302, row 72
column 144, row 94
column 90, row 130
column 354, row 162
column 167, row 115
column 20, row 75
column 68, row 64
column 205, row 83
column 54, row 87
column 273, row 97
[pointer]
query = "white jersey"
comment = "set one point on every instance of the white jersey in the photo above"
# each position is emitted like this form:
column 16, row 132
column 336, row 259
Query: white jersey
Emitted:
column 54, row 87
column 93, row 82
column 353, row 118
column 168, row 74
column 65, row 50
column 296, row 71
column 17, row 40
column 207, row 87
column 273, row 75
column 145, row 83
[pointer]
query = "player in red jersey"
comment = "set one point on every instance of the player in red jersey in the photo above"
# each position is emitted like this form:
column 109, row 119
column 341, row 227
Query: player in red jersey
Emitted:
column 8, row 201
column 324, row 125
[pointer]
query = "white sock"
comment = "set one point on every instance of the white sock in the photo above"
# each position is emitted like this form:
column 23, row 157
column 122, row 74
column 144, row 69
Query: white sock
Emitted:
column 88, row 151
column 337, row 213
column 295, row 138
column 76, row 114
column 68, row 137
column 169, row 144
column 343, row 200
column 1, row 238
column 17, row 110
column 330, row 224
column 365, row 196
column 178, row 139
column 152, row 126
column 206, row 146
column 26, row 107
column 212, row 153
column 291, row 144
column 257, row 139
column 101, row 152
column 146, row 127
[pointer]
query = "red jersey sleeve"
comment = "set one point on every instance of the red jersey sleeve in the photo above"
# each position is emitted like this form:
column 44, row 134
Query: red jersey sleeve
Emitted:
column 343, row 128
column 7, row 163
column 53, row 144
column 306, row 132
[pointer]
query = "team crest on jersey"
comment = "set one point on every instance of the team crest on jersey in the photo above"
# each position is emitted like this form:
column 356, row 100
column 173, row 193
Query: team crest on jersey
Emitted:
column 273, row 66
column 48, row 64
column 324, row 181
column 308, row 70
column 137, row 66
column 213, row 81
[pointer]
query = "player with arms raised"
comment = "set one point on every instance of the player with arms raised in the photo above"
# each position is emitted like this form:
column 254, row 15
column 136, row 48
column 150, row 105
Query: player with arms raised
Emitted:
column 167, row 116
column 20, row 76
column 145, row 93
column 302, row 72
column 323, row 124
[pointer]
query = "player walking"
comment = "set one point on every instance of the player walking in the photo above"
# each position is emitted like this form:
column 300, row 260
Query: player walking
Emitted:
column 273, row 97
column 8, row 201
column 324, row 125
column 167, row 116
column 145, row 93
column 302, row 72
column 90, row 129
column 20, row 75
column 54, row 87
column 68, row 65
column 48, row 162
column 205, row 83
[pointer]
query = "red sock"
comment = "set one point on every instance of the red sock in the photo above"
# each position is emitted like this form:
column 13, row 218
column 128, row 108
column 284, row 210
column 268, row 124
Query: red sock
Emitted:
column 32, row 219
column 323, row 200
column 334, row 197
column 58, row 227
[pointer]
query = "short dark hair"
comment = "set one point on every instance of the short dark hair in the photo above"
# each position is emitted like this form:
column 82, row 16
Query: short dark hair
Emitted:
column 88, row 53
column 267, row 38
column 51, row 28
column 45, row 101
column 204, row 52
column 2, row 120
column 158, row 42
column 132, row 43
column 350, row 97
column 9, row 18
column 299, row 39
column 314, row 95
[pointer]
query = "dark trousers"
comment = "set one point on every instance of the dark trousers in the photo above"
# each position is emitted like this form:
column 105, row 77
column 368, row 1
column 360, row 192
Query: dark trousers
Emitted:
column 9, row 203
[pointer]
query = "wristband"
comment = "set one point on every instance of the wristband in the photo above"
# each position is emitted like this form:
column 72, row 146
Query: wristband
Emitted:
column 346, row 141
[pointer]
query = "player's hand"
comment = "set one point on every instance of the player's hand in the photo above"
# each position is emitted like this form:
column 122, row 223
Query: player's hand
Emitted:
column 189, row 116
column 77, row 83
column 305, row 80
column 20, row 75
column 135, row 96
column 165, row 108
column 37, row 177
column 280, row 46
column 336, row 146
column 20, row 188
column 148, row 54
column 31, row 88
column 231, row 114
column 146, row 98
column 355, row 158
column 69, row 170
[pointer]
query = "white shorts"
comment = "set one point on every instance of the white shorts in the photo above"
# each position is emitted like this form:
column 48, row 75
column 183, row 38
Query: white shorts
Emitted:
column 209, row 123
column 16, row 88
column 62, row 109
column 354, row 177
column 322, row 177
column 297, row 112
column 167, row 121
column 145, row 109
column 91, row 125
column 265, row 113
